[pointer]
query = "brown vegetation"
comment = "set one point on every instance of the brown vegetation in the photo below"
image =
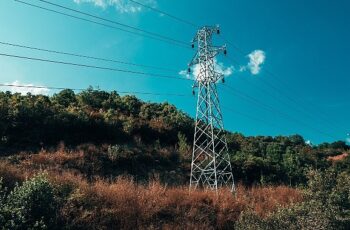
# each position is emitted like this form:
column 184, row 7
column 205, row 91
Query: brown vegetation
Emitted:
column 122, row 203
column 126, row 205
column 338, row 157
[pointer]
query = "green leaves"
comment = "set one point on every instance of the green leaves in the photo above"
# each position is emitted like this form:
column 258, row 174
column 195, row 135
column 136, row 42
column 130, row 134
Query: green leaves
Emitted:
column 29, row 206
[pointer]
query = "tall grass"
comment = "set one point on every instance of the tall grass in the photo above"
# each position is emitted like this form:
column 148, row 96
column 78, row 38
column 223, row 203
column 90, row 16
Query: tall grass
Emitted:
column 122, row 203
column 126, row 205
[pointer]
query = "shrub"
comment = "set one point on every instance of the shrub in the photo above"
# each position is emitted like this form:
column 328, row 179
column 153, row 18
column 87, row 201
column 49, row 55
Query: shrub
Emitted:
column 113, row 152
column 326, row 206
column 307, row 215
column 30, row 206
column 184, row 147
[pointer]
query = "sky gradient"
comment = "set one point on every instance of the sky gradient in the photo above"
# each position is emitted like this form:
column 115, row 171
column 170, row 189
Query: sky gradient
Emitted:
column 301, row 84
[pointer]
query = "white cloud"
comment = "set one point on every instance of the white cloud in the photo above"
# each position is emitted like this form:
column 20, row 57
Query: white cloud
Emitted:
column 256, row 59
column 123, row 6
column 25, row 88
column 218, row 67
column 308, row 142
column 184, row 73
column 100, row 3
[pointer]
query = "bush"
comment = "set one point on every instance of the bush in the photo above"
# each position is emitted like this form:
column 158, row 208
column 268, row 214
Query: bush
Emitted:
column 307, row 215
column 326, row 206
column 29, row 206
column 184, row 147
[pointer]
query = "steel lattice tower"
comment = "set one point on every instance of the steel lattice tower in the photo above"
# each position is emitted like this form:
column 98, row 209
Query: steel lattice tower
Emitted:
column 211, row 167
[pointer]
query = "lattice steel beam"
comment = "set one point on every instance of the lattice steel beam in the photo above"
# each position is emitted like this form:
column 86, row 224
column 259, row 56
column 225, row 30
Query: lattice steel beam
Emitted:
column 210, row 167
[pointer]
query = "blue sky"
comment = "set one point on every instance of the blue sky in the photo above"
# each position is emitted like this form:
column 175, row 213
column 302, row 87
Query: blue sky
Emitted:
column 304, row 74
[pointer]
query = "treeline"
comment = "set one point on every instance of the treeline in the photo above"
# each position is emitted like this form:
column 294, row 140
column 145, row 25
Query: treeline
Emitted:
column 266, row 160
column 91, row 116
column 144, row 138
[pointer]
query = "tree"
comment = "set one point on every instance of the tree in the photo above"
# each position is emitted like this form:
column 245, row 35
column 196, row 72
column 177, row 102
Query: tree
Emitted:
column 93, row 98
column 131, row 105
column 65, row 98
column 292, row 167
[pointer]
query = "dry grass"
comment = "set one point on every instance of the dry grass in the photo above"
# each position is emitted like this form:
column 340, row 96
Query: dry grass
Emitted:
column 11, row 174
column 338, row 157
column 124, row 204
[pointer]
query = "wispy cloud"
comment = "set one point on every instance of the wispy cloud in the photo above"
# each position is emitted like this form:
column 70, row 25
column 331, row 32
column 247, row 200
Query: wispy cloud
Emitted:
column 218, row 66
column 256, row 60
column 123, row 6
column 18, row 87
column 184, row 73
column 226, row 71
column 348, row 138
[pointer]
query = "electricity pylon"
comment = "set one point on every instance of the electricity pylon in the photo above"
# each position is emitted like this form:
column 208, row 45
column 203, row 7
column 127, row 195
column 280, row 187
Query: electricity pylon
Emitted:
column 210, row 167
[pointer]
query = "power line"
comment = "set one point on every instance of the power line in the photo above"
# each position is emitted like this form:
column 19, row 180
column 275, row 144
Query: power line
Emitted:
column 277, row 98
column 165, row 13
column 268, row 92
column 115, row 22
column 141, row 93
column 236, row 47
column 154, row 9
column 94, row 67
column 273, row 110
column 181, row 44
column 186, row 22
column 80, row 89
column 38, row 87
column 298, row 106
column 300, row 103
column 85, row 56
column 292, row 99
column 253, row 118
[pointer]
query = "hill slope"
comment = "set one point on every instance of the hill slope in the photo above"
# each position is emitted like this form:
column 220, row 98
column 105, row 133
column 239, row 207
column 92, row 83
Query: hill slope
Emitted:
column 109, row 162
column 148, row 138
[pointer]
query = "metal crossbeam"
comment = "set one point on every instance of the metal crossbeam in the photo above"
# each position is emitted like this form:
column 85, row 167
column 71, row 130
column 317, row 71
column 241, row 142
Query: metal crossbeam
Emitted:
column 211, row 167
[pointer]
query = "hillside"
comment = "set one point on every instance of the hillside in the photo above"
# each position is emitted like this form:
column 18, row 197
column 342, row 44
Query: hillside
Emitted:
column 101, row 159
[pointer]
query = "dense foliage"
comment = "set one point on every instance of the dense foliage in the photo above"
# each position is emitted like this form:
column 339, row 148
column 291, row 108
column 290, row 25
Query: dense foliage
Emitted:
column 28, row 206
column 91, row 116
column 282, row 159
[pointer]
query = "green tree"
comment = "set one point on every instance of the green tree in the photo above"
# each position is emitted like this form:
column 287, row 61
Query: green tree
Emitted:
column 93, row 98
column 65, row 98
column 292, row 166
column 131, row 105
